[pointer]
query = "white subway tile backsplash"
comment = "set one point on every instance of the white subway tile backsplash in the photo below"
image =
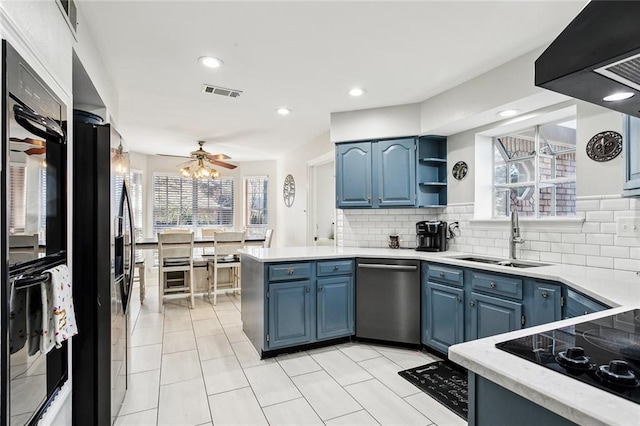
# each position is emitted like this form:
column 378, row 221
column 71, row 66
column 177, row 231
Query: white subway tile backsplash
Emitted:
column 587, row 205
column 613, row 251
column 588, row 249
column 615, row 204
column 595, row 245
column 573, row 238
column 600, row 239
column 574, row 259
column 600, row 262
column 599, row 216
column 562, row 247
column 627, row 264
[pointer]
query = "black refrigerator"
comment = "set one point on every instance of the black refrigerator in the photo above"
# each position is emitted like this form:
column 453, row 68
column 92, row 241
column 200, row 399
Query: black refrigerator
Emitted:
column 103, row 259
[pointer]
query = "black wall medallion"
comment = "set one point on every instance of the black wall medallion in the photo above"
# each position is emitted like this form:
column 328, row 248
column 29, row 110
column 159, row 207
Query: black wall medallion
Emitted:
column 604, row 146
column 459, row 170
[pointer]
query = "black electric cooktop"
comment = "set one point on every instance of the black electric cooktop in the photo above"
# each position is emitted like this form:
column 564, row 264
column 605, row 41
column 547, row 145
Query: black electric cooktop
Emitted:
column 604, row 353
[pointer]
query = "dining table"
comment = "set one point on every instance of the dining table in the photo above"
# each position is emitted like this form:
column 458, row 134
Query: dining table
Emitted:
column 199, row 260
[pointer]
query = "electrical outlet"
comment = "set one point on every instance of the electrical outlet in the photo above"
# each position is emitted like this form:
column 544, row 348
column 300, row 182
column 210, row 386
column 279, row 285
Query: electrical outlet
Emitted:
column 628, row 227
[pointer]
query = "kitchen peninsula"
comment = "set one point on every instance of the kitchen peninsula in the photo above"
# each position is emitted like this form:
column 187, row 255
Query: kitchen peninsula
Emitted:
column 561, row 395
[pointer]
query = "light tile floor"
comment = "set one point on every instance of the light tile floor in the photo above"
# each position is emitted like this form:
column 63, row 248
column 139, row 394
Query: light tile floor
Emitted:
column 196, row 367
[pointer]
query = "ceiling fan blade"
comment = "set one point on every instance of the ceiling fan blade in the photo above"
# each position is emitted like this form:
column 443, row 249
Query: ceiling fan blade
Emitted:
column 176, row 156
column 30, row 141
column 222, row 164
column 35, row 151
column 218, row 157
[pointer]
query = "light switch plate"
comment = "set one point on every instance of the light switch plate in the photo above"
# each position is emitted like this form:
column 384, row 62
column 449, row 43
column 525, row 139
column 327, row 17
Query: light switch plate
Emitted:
column 628, row 227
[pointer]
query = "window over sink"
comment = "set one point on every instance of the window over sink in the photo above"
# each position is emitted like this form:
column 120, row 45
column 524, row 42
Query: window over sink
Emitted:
column 534, row 171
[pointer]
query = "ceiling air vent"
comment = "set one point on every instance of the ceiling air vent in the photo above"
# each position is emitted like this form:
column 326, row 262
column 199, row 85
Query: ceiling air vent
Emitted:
column 626, row 71
column 231, row 93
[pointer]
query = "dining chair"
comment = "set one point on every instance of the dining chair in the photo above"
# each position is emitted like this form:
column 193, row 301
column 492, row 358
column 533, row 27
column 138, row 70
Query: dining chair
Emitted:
column 268, row 234
column 23, row 247
column 175, row 262
column 225, row 245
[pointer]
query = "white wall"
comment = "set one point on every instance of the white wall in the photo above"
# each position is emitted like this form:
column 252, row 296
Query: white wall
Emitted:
column 386, row 122
column 291, row 228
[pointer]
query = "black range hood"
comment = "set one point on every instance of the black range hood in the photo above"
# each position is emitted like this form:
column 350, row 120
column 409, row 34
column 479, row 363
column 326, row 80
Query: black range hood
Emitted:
column 597, row 55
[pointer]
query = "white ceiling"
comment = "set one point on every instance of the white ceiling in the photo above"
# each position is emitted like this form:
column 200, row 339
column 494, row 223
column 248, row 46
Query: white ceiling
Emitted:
column 304, row 55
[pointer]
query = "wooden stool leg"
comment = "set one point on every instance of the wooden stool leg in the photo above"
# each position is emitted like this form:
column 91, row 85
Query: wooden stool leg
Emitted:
column 142, row 284
column 215, row 285
column 160, row 288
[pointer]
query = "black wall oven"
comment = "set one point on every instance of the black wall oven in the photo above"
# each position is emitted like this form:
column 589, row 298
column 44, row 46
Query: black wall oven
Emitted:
column 33, row 221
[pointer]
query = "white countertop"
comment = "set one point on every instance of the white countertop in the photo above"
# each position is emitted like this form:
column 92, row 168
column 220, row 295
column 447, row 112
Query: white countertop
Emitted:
column 579, row 402
column 614, row 288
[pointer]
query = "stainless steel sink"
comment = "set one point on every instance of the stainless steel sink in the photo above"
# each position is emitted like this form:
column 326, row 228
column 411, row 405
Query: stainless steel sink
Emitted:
column 512, row 263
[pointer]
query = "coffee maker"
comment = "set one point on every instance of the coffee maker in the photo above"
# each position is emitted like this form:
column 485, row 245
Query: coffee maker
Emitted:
column 431, row 235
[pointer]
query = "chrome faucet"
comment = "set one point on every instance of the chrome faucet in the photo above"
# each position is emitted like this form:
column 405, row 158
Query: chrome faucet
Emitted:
column 515, row 235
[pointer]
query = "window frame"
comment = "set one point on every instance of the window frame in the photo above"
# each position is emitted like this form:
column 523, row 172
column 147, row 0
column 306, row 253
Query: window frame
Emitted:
column 247, row 209
column 538, row 182
column 195, row 223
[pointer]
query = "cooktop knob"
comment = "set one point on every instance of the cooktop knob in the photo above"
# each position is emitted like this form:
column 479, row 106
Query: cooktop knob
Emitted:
column 618, row 367
column 574, row 352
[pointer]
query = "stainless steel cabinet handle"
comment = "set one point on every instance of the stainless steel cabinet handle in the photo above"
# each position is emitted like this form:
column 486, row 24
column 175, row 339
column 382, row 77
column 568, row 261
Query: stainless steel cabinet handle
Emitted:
column 369, row 198
column 307, row 289
column 545, row 295
column 458, row 299
column 492, row 284
column 472, row 303
column 290, row 271
column 379, row 198
column 319, row 288
column 335, row 268
column 441, row 274
column 381, row 266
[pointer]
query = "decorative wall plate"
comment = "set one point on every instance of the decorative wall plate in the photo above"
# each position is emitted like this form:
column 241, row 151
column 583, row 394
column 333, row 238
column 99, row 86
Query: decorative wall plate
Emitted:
column 289, row 191
column 604, row 146
column 459, row 170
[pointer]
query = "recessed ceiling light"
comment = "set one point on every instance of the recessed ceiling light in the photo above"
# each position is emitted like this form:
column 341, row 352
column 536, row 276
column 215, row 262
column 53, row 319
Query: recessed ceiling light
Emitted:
column 509, row 112
column 210, row 62
column 357, row 91
column 283, row 111
column 618, row 96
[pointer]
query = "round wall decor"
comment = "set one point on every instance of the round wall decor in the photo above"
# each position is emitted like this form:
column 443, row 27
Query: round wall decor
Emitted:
column 289, row 190
column 459, row 170
column 604, row 146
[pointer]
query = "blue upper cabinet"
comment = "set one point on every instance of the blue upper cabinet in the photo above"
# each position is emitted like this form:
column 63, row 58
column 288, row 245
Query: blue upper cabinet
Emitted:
column 353, row 175
column 376, row 174
column 432, row 171
column 396, row 167
column 632, row 159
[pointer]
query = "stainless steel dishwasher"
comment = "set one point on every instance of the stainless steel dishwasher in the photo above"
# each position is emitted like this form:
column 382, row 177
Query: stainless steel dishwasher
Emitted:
column 388, row 300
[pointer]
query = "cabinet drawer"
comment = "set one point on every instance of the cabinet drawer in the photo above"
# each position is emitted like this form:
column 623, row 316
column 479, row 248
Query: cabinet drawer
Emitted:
column 445, row 274
column 289, row 271
column 334, row 267
column 497, row 284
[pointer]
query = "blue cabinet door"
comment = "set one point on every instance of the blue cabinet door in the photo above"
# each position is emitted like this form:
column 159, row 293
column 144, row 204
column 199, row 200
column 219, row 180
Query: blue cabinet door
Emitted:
column 335, row 302
column 353, row 175
column 290, row 315
column 545, row 307
column 442, row 316
column 396, row 168
column 491, row 316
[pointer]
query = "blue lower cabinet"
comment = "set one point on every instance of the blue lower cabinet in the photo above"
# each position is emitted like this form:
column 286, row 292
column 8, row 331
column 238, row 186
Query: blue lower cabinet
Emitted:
column 334, row 298
column 491, row 316
column 290, row 314
column 442, row 316
column 546, row 305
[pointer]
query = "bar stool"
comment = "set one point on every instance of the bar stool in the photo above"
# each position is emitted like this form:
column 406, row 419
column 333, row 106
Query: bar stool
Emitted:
column 175, row 254
column 226, row 245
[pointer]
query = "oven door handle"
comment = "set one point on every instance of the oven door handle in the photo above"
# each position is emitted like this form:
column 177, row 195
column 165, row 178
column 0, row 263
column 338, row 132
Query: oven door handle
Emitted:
column 29, row 119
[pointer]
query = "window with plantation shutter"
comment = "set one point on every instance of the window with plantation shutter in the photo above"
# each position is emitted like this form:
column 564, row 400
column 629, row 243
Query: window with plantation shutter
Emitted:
column 188, row 203
column 17, row 199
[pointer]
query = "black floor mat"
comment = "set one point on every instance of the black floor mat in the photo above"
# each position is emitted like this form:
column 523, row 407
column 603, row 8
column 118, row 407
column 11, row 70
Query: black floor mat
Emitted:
column 440, row 381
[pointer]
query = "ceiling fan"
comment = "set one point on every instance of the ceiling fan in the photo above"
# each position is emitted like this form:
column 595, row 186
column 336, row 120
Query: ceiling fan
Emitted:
column 38, row 146
column 196, row 167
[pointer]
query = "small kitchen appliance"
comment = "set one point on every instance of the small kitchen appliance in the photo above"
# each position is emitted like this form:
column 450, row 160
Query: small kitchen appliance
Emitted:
column 604, row 352
column 431, row 235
